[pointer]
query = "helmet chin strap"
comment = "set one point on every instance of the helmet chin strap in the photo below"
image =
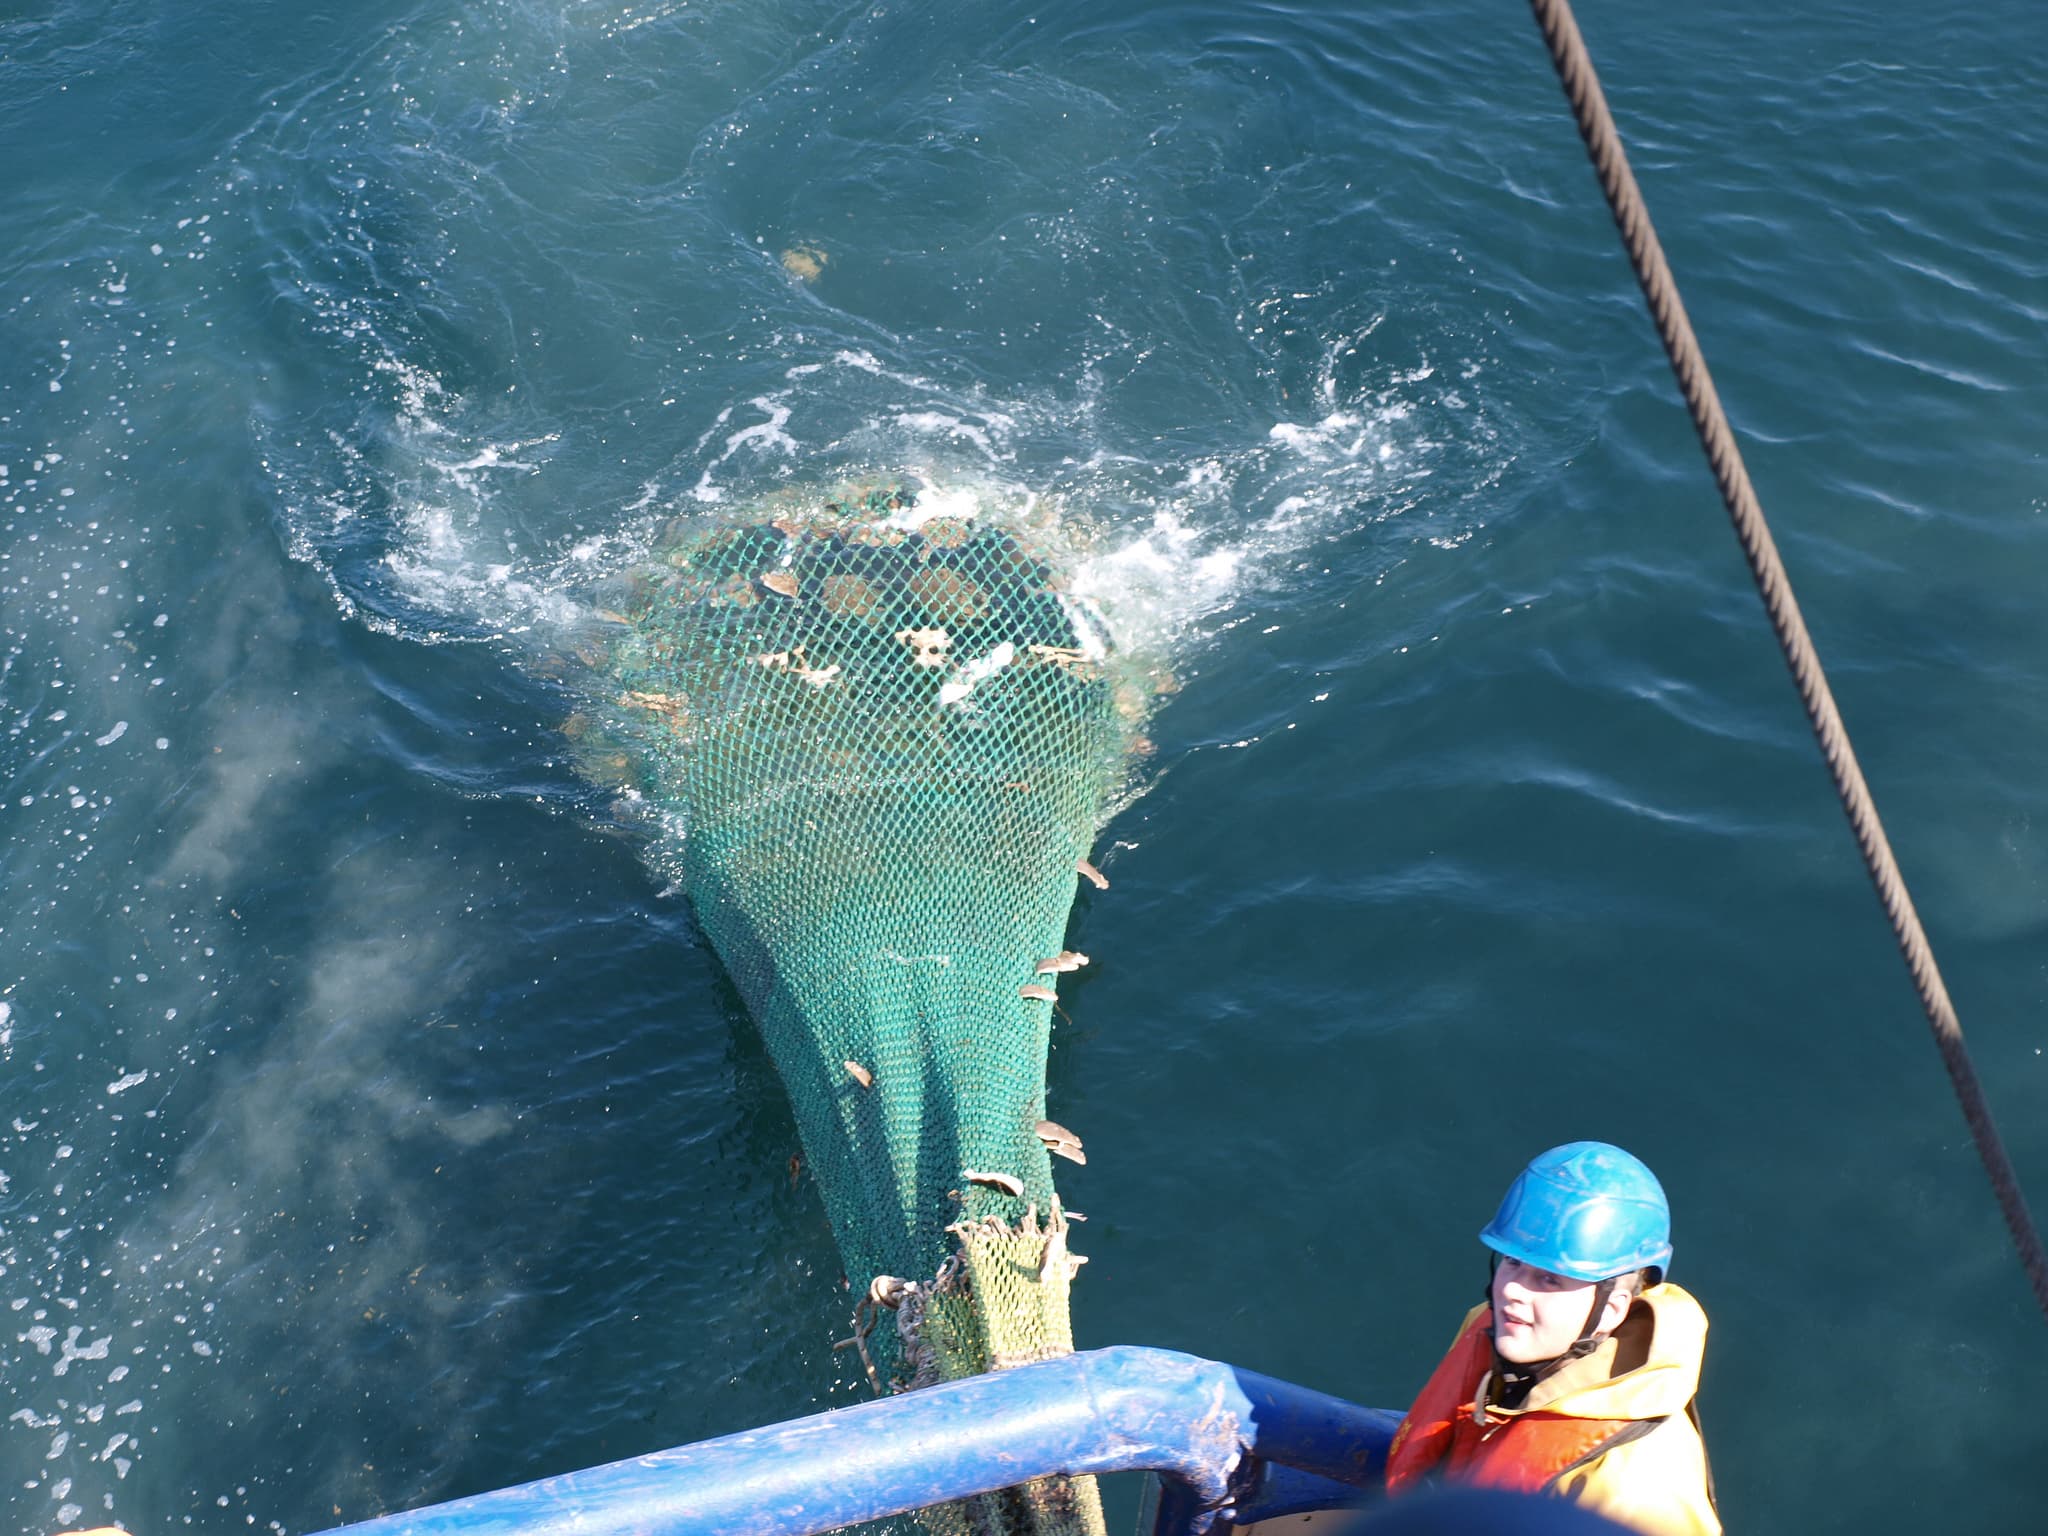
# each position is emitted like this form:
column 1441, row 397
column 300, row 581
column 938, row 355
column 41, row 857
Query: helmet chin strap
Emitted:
column 1588, row 1339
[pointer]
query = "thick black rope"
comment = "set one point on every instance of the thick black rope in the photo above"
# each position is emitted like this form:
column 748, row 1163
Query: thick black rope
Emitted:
column 1625, row 200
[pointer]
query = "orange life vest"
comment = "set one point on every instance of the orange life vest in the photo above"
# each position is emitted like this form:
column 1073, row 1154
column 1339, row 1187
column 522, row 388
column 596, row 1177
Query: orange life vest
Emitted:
column 1526, row 1452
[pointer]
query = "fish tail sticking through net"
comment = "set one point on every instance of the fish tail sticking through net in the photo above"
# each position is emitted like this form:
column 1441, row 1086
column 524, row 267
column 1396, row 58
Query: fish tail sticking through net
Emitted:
column 890, row 739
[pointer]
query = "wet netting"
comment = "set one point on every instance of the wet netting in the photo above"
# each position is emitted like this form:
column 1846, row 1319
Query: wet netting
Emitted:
column 890, row 738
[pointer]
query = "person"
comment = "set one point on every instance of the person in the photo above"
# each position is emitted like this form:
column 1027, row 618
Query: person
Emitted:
column 1577, row 1375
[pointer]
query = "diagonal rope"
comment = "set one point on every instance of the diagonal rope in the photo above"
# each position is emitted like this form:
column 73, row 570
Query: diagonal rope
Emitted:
column 1632, row 218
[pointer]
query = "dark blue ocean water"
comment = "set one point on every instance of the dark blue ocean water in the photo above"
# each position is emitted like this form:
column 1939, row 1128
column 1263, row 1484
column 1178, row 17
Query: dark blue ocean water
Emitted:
column 374, row 1125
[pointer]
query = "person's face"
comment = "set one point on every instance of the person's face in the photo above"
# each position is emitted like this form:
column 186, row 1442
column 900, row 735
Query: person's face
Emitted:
column 1538, row 1315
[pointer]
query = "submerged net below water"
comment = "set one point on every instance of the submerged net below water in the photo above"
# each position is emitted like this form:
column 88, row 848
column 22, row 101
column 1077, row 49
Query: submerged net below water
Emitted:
column 890, row 738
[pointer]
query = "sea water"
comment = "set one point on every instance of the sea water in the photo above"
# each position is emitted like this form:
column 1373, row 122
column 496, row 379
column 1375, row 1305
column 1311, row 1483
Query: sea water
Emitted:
column 375, row 1126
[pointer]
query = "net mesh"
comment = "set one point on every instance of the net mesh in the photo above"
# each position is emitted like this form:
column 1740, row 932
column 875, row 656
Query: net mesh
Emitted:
column 891, row 738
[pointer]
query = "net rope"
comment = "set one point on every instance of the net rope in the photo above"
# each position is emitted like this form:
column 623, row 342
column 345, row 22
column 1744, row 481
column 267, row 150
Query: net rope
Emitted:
column 1660, row 289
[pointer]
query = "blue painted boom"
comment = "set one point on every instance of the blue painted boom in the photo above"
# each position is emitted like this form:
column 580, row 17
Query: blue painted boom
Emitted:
column 1203, row 1426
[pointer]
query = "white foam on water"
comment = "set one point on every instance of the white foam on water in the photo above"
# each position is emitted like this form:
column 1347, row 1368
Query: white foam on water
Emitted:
column 954, row 502
column 1178, row 563
column 1163, row 548
column 939, row 424
column 761, row 438
column 452, row 559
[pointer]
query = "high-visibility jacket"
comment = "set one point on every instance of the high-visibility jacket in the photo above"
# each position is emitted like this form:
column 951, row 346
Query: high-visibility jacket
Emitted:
column 1614, row 1431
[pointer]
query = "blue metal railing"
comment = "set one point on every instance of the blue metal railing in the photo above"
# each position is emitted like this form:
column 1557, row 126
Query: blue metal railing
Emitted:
column 1211, row 1432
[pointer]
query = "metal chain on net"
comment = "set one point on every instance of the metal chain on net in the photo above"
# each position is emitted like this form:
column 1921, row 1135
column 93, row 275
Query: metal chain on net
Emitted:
column 1646, row 254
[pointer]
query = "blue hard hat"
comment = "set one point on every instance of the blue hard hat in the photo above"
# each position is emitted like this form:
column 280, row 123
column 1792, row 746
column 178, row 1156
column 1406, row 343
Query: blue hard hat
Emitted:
column 1586, row 1210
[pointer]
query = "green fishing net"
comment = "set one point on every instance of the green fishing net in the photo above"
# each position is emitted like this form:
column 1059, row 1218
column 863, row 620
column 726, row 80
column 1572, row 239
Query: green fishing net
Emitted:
column 889, row 739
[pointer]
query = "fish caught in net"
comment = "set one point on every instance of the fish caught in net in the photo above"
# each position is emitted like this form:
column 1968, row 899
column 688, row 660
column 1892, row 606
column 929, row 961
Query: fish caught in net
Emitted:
column 889, row 737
